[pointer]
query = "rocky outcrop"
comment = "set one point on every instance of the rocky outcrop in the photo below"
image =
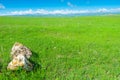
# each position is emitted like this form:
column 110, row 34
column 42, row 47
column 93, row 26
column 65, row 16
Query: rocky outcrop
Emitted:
column 20, row 55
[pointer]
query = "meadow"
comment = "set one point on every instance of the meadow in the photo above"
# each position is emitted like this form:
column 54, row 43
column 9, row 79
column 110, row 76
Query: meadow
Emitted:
column 64, row 48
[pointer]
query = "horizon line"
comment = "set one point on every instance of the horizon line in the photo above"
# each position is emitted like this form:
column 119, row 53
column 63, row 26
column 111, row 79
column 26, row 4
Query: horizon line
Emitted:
column 59, row 11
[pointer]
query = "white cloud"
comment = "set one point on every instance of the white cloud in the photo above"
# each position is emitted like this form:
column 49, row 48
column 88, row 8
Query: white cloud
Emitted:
column 62, row 0
column 47, row 12
column 61, row 12
column 103, row 10
column 70, row 4
column 22, row 12
column 2, row 6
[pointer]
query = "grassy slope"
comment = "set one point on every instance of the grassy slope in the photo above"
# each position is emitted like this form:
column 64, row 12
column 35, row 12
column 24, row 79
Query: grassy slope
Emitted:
column 83, row 48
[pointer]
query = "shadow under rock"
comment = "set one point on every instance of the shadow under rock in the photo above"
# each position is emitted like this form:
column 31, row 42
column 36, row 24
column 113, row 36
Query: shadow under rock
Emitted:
column 34, row 60
column 0, row 67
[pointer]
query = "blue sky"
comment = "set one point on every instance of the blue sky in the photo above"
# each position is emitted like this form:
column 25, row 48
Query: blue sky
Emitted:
column 29, row 5
column 58, row 3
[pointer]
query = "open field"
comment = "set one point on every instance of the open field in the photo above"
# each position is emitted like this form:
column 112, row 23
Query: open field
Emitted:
column 67, row 48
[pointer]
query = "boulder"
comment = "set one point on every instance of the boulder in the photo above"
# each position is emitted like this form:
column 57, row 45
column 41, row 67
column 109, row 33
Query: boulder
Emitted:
column 20, row 55
column 19, row 48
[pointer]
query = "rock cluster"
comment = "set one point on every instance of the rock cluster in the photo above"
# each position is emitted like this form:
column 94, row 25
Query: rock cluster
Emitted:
column 20, row 55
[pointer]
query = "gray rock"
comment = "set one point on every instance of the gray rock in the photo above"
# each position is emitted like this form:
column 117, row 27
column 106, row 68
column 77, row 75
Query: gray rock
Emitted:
column 20, row 55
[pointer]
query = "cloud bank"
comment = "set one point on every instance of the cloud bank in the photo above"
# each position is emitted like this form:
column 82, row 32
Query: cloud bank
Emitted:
column 2, row 6
column 60, row 12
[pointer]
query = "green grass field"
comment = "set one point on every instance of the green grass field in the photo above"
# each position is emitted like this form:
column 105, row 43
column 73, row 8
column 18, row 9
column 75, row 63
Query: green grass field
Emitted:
column 66, row 48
